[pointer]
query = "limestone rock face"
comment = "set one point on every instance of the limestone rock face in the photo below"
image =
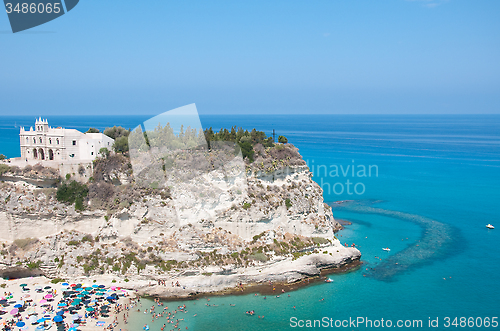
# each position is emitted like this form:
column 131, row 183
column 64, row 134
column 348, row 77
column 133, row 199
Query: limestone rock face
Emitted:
column 273, row 218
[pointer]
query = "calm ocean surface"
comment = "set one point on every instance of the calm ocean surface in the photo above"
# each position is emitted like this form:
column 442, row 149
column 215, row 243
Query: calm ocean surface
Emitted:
column 434, row 186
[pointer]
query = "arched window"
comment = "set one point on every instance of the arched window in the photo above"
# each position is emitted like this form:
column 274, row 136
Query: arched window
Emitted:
column 50, row 141
column 40, row 140
column 34, row 140
column 27, row 140
column 57, row 141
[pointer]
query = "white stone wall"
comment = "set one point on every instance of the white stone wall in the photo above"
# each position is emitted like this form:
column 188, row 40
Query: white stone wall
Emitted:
column 57, row 144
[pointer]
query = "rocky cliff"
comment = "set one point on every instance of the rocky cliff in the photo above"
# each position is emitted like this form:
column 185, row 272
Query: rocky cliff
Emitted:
column 270, row 223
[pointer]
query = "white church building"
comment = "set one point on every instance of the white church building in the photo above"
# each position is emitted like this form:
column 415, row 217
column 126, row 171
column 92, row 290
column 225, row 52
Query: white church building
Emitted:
column 45, row 143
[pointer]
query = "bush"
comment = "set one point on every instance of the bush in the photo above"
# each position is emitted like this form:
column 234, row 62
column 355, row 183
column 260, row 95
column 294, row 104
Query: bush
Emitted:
column 73, row 192
column 288, row 203
column 4, row 168
column 247, row 150
column 2, row 157
column 258, row 257
column 92, row 130
column 320, row 240
column 57, row 280
column 121, row 145
column 34, row 265
column 104, row 152
column 282, row 140
column 116, row 132
column 25, row 243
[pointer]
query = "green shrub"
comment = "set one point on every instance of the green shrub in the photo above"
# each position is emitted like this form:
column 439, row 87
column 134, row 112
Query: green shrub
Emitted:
column 247, row 150
column 282, row 140
column 288, row 203
column 320, row 240
column 4, row 168
column 34, row 265
column 258, row 257
column 73, row 192
column 121, row 145
column 57, row 280
column 25, row 243
column 246, row 205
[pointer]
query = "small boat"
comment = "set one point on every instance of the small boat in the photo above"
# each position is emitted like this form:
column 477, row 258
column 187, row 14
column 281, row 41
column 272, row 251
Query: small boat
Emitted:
column 387, row 249
column 329, row 280
column 489, row 226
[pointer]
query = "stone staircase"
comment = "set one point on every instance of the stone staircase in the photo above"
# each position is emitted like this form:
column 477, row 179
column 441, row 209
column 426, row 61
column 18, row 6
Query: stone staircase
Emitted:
column 49, row 270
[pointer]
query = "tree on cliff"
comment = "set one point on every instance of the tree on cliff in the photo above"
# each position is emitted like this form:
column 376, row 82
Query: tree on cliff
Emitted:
column 282, row 140
column 116, row 132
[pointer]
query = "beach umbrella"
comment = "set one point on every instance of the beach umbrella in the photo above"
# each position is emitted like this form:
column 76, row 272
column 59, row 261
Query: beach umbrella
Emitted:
column 80, row 295
column 43, row 301
column 58, row 319
column 33, row 319
column 47, row 288
column 20, row 324
column 88, row 289
column 62, row 304
column 72, row 329
column 65, row 284
column 75, row 317
column 73, row 285
column 14, row 311
column 18, row 306
column 41, row 320
column 95, row 286
column 60, row 312
column 78, row 285
column 48, row 296
column 89, row 309
column 102, row 286
column 40, row 328
column 23, row 285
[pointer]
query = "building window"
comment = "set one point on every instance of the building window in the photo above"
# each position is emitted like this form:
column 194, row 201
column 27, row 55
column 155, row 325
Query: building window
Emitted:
column 34, row 140
column 74, row 142
column 27, row 140
column 40, row 140
column 57, row 141
column 50, row 141
column 72, row 155
column 91, row 153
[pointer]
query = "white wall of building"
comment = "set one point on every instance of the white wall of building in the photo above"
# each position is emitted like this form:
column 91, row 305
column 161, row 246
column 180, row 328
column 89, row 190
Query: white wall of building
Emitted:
column 57, row 144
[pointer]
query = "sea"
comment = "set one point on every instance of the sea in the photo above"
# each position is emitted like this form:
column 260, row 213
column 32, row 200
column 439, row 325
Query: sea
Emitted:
column 424, row 186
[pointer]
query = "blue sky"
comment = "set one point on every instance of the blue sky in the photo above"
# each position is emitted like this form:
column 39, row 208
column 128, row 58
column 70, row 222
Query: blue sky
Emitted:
column 251, row 57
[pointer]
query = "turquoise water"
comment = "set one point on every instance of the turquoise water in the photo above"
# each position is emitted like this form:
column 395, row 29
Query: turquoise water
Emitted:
column 437, row 187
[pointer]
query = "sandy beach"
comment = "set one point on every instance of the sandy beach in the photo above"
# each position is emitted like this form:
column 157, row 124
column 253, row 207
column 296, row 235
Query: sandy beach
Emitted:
column 34, row 303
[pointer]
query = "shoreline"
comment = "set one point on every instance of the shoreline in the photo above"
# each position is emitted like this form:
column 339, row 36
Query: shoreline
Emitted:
column 266, row 289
